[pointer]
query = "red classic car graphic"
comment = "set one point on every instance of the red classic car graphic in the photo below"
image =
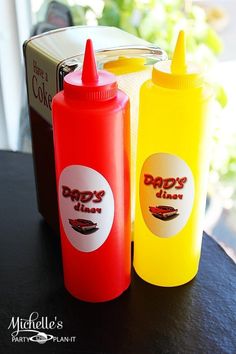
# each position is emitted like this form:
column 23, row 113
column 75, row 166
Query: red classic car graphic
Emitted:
column 163, row 212
column 83, row 226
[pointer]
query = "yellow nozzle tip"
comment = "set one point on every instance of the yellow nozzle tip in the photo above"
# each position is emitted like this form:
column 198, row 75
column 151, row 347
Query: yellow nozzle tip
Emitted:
column 177, row 74
column 178, row 65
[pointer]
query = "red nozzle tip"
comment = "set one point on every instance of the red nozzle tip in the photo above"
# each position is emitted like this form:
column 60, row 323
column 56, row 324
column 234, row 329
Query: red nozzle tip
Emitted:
column 89, row 71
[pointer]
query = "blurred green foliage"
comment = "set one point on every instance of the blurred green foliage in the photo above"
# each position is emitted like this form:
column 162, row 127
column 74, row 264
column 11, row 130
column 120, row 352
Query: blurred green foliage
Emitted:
column 159, row 21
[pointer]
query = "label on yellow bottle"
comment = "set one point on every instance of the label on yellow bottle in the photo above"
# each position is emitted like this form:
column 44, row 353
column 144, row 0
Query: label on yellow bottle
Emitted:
column 166, row 193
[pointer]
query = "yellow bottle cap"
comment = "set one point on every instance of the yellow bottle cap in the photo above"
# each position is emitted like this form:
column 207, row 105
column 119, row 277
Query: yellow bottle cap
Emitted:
column 177, row 74
column 125, row 65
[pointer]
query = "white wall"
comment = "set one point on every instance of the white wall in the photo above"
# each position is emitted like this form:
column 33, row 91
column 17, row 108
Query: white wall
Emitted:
column 15, row 24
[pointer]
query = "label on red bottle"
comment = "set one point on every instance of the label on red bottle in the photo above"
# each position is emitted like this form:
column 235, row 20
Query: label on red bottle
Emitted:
column 166, row 194
column 86, row 206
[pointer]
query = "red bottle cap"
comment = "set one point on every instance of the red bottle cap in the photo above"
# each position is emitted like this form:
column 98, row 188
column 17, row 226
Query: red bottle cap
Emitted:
column 89, row 83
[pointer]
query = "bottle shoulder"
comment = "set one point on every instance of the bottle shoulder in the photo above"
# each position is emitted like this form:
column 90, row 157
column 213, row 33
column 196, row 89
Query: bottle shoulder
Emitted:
column 150, row 90
column 118, row 103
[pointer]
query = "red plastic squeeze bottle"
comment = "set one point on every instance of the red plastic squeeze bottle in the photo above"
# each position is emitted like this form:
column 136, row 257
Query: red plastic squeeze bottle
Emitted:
column 92, row 153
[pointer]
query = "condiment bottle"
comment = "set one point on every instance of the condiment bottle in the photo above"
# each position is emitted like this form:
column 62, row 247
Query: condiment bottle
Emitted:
column 92, row 153
column 172, row 168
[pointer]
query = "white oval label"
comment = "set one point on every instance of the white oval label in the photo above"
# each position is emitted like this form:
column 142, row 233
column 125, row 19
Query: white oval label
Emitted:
column 86, row 206
column 166, row 194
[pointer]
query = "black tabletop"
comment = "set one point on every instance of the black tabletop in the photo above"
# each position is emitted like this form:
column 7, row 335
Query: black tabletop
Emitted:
column 199, row 317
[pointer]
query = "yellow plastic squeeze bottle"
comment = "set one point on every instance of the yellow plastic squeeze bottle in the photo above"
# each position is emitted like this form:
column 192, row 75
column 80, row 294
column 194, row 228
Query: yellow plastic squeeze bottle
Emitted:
column 172, row 167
